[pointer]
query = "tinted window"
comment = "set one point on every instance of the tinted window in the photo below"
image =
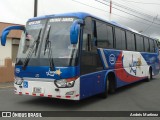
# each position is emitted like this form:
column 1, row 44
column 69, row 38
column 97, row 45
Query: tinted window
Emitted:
column 110, row 36
column 155, row 44
column 120, row 39
column 101, row 35
column 104, row 35
column 90, row 60
column 146, row 44
column 152, row 47
column 130, row 41
column 139, row 43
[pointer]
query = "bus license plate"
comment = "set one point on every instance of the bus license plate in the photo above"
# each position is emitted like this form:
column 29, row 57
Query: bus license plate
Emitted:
column 37, row 90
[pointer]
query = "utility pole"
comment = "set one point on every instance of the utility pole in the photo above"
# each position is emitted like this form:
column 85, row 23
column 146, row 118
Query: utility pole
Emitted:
column 110, row 15
column 35, row 7
column 110, row 6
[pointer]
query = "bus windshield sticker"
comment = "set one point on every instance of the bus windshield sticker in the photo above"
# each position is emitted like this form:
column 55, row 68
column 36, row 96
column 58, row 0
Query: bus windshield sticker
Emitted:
column 61, row 20
column 25, row 84
column 34, row 22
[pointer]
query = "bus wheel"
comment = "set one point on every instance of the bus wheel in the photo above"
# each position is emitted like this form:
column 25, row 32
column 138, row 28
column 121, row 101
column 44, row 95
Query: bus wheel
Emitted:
column 149, row 75
column 112, row 86
column 105, row 93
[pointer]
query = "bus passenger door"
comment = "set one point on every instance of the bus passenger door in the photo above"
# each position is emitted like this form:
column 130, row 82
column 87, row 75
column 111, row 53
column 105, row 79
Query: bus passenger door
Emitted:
column 92, row 76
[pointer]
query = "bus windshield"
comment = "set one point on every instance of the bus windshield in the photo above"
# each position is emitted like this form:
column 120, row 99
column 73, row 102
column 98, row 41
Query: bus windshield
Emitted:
column 54, row 43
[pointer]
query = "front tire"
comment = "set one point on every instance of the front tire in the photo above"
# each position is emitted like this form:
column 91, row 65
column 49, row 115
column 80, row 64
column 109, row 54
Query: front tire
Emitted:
column 105, row 93
column 149, row 75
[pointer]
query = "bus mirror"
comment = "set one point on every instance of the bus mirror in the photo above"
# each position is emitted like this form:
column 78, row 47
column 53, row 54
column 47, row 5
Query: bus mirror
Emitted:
column 74, row 31
column 6, row 31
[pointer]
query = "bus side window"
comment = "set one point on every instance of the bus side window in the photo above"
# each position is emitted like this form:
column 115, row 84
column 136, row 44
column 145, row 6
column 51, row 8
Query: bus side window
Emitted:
column 155, row 44
column 152, row 47
column 94, row 36
column 86, row 42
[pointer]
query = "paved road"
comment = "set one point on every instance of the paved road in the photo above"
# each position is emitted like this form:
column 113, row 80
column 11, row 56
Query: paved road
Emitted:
column 136, row 97
column 141, row 96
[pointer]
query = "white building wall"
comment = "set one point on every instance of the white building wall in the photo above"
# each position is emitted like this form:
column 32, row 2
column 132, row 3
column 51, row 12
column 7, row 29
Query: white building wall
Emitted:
column 5, row 51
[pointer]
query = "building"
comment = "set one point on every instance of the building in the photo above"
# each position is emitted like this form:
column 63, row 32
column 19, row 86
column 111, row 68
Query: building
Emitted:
column 12, row 43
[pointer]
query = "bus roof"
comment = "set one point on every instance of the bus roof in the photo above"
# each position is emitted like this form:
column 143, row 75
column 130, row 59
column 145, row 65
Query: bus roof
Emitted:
column 83, row 15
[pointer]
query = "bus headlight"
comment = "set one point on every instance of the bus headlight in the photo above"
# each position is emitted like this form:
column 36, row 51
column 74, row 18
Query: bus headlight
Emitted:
column 18, row 81
column 65, row 83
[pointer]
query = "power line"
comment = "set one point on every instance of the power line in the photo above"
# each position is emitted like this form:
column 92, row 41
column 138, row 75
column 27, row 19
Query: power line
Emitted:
column 142, row 2
column 89, row 6
column 112, row 13
column 120, row 5
column 132, row 10
column 137, row 8
column 128, row 13
column 108, row 12
column 150, row 24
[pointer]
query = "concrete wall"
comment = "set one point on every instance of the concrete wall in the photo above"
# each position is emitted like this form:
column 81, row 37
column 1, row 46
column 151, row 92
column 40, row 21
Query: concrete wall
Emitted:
column 7, row 71
column 6, row 51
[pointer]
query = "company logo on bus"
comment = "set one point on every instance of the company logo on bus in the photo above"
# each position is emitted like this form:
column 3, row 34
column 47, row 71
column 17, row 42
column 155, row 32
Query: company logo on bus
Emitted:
column 52, row 73
column 112, row 59
column 17, row 70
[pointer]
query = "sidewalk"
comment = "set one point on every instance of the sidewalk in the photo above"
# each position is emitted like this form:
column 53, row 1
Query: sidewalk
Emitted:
column 6, row 85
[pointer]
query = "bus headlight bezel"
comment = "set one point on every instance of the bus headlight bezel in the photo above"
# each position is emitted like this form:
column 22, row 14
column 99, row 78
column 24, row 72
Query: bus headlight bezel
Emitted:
column 18, row 81
column 64, row 83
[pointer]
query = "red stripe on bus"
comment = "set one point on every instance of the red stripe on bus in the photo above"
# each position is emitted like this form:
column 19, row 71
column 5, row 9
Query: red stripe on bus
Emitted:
column 68, row 96
column 58, row 96
column 34, row 94
column 77, row 95
column 49, row 95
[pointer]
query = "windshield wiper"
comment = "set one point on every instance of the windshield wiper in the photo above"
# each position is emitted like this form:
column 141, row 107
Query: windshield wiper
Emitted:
column 37, row 42
column 32, row 49
column 47, row 40
column 48, row 45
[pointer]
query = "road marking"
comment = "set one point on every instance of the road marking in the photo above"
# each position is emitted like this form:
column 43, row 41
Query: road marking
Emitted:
column 7, row 87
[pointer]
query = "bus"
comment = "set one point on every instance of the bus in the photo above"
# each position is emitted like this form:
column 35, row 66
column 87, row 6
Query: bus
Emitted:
column 77, row 55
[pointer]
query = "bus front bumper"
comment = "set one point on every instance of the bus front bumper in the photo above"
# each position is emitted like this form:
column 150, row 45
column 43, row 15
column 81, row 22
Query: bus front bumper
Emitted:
column 47, row 88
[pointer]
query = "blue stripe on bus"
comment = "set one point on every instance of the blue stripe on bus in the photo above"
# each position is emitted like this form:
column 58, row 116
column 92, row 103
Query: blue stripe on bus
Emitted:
column 43, row 72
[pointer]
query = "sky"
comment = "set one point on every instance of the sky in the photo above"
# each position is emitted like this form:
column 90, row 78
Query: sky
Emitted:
column 144, row 18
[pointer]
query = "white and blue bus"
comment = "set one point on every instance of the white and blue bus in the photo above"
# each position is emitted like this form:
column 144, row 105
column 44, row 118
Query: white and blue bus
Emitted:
column 76, row 55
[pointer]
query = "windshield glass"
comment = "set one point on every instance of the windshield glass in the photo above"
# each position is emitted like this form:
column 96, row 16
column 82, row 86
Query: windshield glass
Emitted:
column 63, row 52
column 57, row 32
column 30, row 40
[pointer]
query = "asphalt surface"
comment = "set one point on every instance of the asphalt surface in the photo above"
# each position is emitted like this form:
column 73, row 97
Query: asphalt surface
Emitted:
column 140, row 96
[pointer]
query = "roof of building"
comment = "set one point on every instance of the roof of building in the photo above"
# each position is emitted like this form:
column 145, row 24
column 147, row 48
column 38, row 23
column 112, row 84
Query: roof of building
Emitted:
column 13, row 33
